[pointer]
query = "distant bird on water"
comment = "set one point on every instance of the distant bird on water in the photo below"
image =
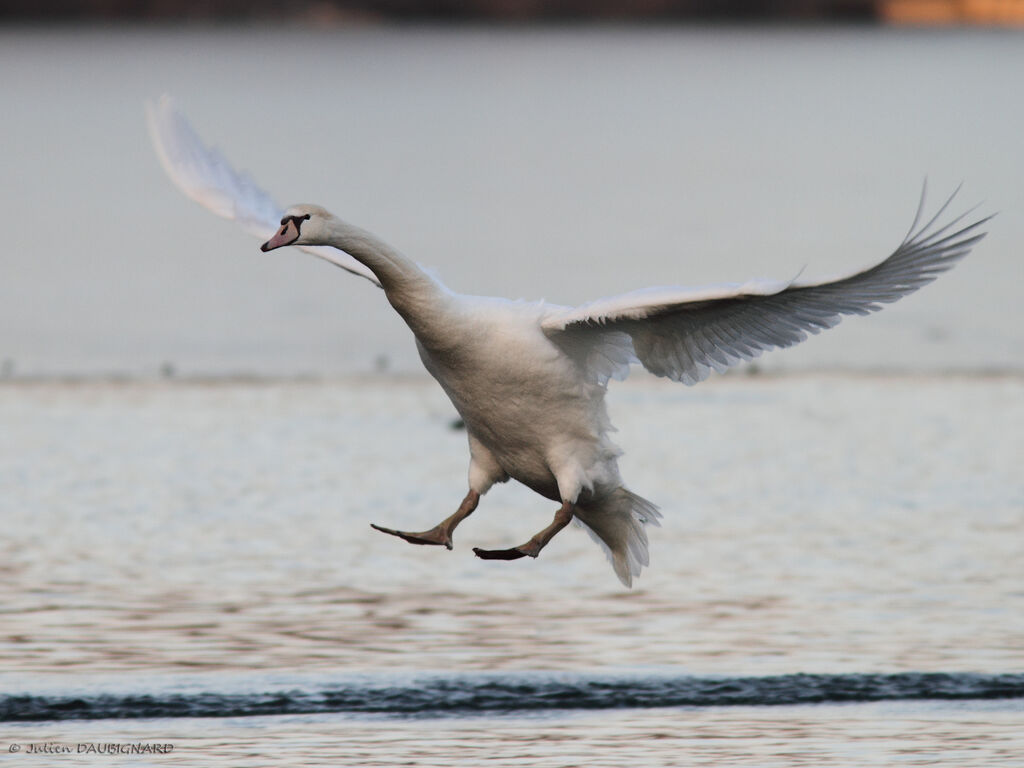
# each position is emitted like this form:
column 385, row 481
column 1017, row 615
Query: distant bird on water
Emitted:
column 529, row 378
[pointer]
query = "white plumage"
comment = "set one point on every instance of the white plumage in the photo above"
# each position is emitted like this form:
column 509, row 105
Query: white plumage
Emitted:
column 529, row 378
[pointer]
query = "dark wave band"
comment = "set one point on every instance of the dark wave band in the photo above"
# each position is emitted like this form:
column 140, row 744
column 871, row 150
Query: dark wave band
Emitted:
column 509, row 695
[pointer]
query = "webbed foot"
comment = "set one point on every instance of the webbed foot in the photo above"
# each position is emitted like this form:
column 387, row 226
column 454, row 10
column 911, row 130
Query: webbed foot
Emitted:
column 506, row 554
column 440, row 534
column 533, row 547
column 437, row 536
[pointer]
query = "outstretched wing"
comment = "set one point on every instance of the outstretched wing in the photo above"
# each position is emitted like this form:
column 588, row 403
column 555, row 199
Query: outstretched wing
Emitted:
column 685, row 333
column 203, row 175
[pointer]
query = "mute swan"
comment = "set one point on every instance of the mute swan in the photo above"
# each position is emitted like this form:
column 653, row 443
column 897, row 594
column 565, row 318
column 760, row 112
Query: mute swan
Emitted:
column 529, row 379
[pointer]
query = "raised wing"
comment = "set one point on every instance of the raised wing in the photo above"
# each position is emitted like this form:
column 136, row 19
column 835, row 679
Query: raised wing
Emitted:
column 205, row 176
column 684, row 333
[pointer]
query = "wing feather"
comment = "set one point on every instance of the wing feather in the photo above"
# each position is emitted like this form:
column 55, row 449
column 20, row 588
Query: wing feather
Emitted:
column 203, row 174
column 685, row 333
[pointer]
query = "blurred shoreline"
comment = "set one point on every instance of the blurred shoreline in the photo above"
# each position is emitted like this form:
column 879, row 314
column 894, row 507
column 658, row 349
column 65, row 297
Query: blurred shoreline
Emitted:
column 338, row 13
column 346, row 12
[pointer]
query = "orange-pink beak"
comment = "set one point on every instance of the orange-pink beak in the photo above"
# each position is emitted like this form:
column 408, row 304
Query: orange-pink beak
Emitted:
column 286, row 235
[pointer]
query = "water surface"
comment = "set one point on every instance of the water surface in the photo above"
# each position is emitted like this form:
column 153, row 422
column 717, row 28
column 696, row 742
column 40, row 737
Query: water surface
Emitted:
column 208, row 544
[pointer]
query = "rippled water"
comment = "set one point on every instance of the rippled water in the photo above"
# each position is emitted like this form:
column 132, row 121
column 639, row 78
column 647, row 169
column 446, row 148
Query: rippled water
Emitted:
column 213, row 539
column 886, row 734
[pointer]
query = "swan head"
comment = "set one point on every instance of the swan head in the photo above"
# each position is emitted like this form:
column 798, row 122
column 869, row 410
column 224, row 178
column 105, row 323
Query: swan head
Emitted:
column 301, row 225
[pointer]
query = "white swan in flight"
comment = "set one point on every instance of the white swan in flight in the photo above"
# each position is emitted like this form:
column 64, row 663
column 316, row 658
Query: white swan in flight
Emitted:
column 529, row 379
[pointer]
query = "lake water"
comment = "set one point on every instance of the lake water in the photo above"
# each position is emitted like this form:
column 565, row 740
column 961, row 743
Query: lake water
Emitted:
column 838, row 578
column 206, row 547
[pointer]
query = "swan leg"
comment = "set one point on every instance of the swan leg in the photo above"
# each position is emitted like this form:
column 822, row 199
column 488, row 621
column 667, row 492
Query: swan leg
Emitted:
column 441, row 533
column 533, row 547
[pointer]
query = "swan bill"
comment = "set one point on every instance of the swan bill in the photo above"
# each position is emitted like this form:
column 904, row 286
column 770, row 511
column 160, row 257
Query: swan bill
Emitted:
column 286, row 235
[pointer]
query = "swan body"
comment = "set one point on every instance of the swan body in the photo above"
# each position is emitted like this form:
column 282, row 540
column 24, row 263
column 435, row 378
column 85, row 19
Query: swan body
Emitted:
column 529, row 378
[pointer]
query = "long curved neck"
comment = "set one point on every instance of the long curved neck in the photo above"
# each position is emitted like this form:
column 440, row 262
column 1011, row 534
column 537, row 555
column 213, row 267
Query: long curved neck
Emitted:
column 392, row 268
column 411, row 291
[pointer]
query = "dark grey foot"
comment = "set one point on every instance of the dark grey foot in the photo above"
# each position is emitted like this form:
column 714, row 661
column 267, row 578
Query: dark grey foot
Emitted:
column 436, row 536
column 504, row 554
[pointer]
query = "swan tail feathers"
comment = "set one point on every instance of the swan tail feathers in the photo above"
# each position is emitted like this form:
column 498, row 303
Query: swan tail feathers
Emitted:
column 617, row 523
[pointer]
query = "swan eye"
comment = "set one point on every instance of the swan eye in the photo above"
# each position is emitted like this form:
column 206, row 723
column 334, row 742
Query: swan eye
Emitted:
column 296, row 220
